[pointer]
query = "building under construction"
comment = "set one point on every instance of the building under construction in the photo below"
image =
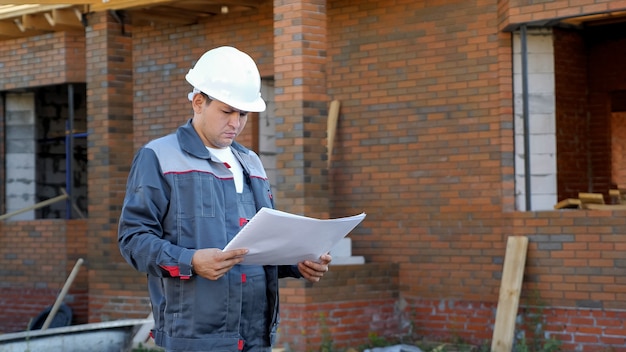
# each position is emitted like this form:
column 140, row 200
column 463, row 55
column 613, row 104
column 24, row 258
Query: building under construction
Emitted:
column 457, row 125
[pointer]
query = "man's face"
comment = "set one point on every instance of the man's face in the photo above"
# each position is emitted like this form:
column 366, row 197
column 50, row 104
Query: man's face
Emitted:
column 217, row 123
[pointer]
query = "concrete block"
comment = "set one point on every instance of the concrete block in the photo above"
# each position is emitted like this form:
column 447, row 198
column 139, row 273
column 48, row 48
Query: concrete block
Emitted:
column 348, row 260
column 342, row 249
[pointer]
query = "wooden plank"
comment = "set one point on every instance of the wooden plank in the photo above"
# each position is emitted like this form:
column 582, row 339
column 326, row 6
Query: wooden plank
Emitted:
column 61, row 296
column 331, row 128
column 568, row 203
column 510, row 289
column 591, row 198
column 618, row 195
column 605, row 206
column 125, row 4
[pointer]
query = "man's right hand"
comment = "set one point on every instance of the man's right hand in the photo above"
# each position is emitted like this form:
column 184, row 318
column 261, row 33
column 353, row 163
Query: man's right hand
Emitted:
column 213, row 263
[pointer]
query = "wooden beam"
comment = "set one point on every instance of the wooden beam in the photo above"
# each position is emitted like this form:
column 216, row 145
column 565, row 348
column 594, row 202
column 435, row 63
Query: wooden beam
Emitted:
column 46, row 22
column 237, row 5
column 47, row 3
column 510, row 290
column 124, row 4
column 13, row 11
column 37, row 22
column 246, row 3
column 19, row 23
column 11, row 29
column 8, row 29
column 149, row 17
column 596, row 19
column 67, row 17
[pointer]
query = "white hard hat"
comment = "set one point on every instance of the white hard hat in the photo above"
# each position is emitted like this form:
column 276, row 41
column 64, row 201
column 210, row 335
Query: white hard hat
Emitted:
column 230, row 76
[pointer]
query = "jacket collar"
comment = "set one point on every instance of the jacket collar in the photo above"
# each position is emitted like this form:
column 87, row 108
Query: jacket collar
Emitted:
column 191, row 143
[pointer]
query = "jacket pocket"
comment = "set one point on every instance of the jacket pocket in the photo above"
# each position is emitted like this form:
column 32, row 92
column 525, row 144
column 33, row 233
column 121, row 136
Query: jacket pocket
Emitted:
column 198, row 308
column 194, row 195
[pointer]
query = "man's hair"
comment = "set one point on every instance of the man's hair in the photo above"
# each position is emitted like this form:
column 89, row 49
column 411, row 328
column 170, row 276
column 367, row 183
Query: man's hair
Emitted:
column 207, row 97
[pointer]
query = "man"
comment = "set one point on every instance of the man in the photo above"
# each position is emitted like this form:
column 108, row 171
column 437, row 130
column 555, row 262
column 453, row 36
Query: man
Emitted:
column 187, row 196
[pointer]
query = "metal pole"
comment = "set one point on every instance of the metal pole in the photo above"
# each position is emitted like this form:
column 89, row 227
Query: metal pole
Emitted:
column 526, row 117
column 69, row 152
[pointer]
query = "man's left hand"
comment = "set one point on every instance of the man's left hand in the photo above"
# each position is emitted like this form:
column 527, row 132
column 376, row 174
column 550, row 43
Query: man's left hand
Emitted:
column 313, row 271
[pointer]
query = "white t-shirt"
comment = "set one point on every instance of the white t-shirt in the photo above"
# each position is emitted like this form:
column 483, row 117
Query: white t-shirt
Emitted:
column 226, row 156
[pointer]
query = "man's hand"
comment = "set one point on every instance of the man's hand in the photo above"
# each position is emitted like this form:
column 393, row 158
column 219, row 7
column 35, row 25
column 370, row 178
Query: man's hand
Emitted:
column 313, row 271
column 213, row 263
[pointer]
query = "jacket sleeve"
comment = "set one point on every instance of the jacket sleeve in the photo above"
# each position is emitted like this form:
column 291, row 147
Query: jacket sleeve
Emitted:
column 288, row 271
column 140, row 231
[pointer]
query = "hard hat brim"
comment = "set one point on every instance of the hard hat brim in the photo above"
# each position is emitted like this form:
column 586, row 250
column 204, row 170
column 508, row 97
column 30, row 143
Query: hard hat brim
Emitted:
column 255, row 106
column 258, row 105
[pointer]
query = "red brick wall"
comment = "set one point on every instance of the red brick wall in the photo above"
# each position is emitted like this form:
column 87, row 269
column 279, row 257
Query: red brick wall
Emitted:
column 520, row 11
column 423, row 147
column 2, row 153
column 43, row 60
column 587, row 329
column 420, row 145
column 577, row 329
column 607, row 75
column 351, row 302
column 37, row 257
column 443, row 319
column 575, row 258
column 572, row 113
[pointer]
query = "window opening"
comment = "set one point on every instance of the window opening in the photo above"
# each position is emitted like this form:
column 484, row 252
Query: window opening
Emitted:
column 46, row 153
column 569, row 120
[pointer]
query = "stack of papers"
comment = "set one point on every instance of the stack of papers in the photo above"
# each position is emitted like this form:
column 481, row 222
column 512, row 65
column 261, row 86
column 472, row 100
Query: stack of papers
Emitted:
column 274, row 237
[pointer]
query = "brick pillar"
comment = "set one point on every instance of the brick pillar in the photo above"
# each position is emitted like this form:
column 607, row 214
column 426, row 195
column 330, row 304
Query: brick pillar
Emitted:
column 2, row 152
column 301, row 114
column 301, row 106
column 109, row 122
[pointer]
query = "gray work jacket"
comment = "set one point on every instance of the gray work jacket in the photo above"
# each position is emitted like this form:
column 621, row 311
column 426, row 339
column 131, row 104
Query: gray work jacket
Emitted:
column 177, row 200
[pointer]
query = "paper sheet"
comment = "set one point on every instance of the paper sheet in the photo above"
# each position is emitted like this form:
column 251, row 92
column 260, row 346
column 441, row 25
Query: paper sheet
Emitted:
column 274, row 237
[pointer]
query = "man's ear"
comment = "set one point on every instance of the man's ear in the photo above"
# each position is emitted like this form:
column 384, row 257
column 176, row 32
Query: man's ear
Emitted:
column 197, row 101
